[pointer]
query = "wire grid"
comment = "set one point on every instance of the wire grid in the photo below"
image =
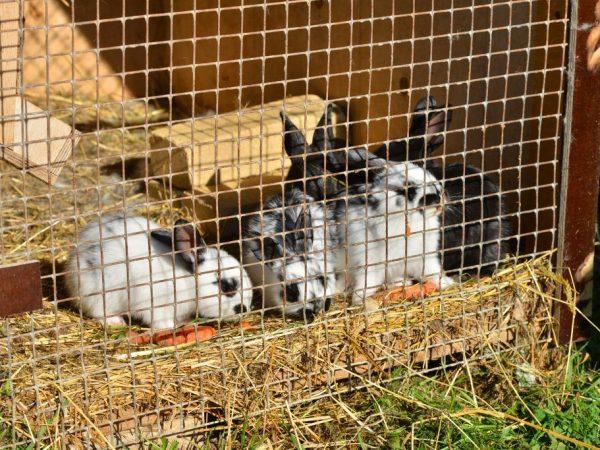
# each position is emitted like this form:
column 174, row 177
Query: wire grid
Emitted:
column 118, row 72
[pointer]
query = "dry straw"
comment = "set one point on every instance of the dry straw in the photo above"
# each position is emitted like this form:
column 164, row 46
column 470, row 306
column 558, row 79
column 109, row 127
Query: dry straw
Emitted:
column 58, row 371
column 65, row 381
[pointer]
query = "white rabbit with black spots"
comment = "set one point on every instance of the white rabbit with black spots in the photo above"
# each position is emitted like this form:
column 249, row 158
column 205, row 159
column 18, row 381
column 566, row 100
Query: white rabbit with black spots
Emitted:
column 387, row 219
column 130, row 266
column 287, row 253
column 389, row 231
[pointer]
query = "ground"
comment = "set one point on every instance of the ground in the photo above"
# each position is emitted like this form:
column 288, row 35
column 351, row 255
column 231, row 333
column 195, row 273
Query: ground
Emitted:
column 547, row 399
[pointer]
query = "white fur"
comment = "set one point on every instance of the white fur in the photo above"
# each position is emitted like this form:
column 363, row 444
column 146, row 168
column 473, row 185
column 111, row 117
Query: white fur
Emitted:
column 305, row 270
column 112, row 276
column 376, row 249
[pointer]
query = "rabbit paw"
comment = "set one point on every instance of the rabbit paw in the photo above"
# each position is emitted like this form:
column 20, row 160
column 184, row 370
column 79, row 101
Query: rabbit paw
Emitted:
column 113, row 321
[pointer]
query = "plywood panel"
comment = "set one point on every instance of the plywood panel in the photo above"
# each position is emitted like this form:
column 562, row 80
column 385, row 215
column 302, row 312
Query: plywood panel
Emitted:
column 73, row 50
column 9, row 52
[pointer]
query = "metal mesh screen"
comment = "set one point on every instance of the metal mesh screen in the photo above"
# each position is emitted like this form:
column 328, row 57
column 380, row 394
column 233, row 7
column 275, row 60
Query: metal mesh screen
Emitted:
column 161, row 189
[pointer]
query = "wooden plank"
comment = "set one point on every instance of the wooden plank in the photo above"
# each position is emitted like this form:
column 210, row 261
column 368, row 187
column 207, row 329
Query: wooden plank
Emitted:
column 233, row 146
column 42, row 145
column 581, row 168
column 9, row 52
column 20, row 288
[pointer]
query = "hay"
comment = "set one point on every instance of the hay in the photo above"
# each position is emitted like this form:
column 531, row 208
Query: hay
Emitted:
column 65, row 381
column 60, row 371
column 39, row 221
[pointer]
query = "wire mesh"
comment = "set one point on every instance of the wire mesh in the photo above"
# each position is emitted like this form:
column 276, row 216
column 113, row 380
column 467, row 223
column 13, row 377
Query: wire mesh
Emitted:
column 176, row 107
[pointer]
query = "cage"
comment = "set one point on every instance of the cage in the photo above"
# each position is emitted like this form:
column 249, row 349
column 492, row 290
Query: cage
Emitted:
column 131, row 125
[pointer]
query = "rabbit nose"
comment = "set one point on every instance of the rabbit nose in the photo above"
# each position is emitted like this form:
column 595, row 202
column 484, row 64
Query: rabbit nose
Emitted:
column 240, row 309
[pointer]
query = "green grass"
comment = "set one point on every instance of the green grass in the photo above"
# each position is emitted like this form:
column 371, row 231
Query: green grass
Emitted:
column 503, row 403
column 549, row 400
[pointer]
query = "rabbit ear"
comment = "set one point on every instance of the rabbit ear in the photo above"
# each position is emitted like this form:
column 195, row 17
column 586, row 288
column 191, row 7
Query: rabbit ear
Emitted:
column 299, row 234
column 429, row 120
column 294, row 141
column 163, row 236
column 324, row 137
column 272, row 249
column 189, row 242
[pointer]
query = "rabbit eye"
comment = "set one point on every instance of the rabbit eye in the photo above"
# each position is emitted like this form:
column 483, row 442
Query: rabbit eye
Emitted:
column 429, row 199
column 292, row 293
column 321, row 279
column 228, row 286
column 411, row 193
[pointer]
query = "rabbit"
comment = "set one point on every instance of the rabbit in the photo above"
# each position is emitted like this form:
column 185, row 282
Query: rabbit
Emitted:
column 425, row 135
column 308, row 171
column 389, row 231
column 475, row 234
column 129, row 266
column 369, row 184
column 286, row 251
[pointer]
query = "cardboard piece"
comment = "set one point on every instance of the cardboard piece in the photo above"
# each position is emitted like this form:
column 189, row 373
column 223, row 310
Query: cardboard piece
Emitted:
column 40, row 144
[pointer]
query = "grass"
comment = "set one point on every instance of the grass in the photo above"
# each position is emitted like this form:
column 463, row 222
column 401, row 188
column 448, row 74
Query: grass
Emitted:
column 547, row 400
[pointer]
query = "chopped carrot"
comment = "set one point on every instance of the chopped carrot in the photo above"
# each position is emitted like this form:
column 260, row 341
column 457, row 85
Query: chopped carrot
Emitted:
column 247, row 326
column 203, row 333
column 167, row 341
column 187, row 329
column 162, row 335
column 410, row 292
column 138, row 338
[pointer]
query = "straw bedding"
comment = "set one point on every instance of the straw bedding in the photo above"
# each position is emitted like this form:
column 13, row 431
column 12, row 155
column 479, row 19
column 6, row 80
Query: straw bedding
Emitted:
column 66, row 381
column 58, row 369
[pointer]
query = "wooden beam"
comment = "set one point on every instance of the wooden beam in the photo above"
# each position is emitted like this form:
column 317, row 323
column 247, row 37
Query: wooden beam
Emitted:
column 581, row 166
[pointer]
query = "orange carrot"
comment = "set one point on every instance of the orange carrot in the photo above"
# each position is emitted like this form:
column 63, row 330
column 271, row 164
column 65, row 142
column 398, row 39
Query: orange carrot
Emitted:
column 203, row 333
column 247, row 326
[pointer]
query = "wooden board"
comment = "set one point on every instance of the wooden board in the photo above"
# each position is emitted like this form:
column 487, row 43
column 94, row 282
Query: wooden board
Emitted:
column 66, row 54
column 9, row 52
column 40, row 144
column 20, row 288
column 222, row 150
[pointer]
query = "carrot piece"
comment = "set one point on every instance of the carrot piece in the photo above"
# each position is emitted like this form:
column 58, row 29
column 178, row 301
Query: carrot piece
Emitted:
column 138, row 338
column 203, row 333
column 410, row 292
column 170, row 340
column 187, row 329
column 247, row 325
column 430, row 287
column 162, row 335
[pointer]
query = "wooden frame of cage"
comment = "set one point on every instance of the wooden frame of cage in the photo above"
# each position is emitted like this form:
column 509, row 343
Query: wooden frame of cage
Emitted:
column 580, row 167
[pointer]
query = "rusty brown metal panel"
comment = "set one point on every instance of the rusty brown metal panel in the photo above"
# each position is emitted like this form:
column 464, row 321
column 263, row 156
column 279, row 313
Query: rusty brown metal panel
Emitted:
column 20, row 288
column 581, row 165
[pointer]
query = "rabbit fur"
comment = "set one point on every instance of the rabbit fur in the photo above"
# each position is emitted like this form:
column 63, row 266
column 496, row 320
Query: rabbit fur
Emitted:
column 130, row 266
column 287, row 253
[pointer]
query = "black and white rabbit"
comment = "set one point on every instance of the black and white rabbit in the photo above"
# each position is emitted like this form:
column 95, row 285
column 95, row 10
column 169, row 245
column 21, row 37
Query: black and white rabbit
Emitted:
column 286, row 252
column 476, row 233
column 308, row 170
column 125, row 266
column 375, row 205
column 389, row 231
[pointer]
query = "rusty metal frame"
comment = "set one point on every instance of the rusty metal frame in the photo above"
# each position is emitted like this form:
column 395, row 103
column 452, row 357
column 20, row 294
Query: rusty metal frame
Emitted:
column 580, row 166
